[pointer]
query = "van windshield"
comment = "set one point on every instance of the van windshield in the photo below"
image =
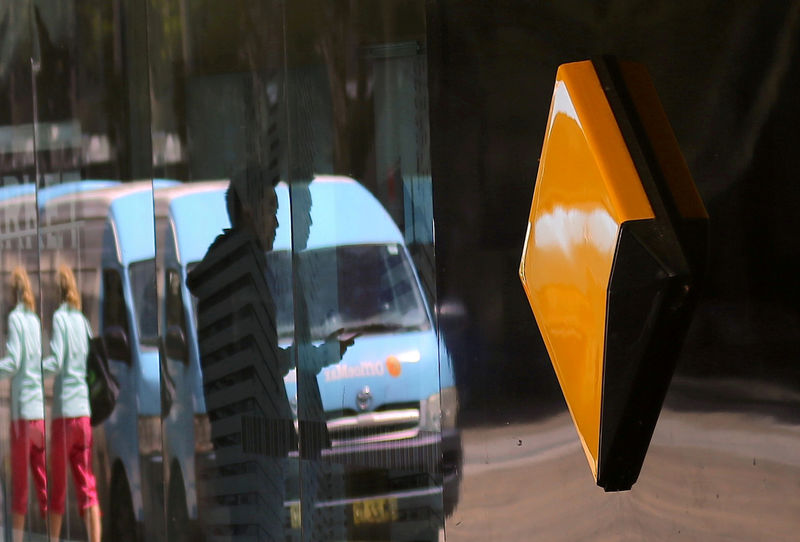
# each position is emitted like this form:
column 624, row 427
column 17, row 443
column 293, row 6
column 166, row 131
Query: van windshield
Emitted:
column 356, row 288
column 145, row 306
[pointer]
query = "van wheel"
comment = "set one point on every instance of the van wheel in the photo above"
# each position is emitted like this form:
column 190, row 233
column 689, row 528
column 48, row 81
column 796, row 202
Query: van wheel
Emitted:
column 122, row 521
column 179, row 528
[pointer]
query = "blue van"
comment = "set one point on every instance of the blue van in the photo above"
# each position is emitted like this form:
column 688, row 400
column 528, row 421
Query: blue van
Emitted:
column 107, row 236
column 391, row 401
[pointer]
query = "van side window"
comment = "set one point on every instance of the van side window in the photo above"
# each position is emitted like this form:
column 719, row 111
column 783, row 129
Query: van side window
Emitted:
column 145, row 305
column 399, row 277
column 114, row 309
column 176, row 315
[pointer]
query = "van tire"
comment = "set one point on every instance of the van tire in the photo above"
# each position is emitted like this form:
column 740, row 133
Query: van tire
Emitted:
column 179, row 526
column 122, row 521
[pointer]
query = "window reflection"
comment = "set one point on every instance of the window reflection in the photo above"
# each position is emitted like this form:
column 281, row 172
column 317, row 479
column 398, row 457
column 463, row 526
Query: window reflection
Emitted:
column 355, row 289
column 375, row 292
column 97, row 227
column 175, row 314
column 114, row 307
column 198, row 91
column 145, row 305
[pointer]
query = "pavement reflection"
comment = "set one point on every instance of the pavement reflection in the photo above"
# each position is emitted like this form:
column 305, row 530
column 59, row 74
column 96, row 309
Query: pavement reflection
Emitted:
column 701, row 473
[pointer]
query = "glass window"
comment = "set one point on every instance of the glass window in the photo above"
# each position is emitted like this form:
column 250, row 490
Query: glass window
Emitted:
column 279, row 279
column 145, row 306
column 375, row 291
column 114, row 308
column 174, row 301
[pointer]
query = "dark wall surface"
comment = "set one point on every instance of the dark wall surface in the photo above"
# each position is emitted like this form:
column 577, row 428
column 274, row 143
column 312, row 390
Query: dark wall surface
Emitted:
column 727, row 75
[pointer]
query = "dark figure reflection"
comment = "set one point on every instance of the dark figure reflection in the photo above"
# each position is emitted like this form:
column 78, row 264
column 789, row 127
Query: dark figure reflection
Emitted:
column 23, row 365
column 241, row 494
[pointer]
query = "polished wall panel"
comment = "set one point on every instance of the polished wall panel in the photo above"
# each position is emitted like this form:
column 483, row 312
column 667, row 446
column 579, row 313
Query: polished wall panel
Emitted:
column 329, row 382
column 96, row 265
column 722, row 464
column 327, row 103
column 374, row 384
column 22, row 402
column 225, row 309
column 363, row 264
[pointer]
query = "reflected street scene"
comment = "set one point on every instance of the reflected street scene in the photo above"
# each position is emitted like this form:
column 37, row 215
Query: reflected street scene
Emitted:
column 375, row 354
column 260, row 261
column 96, row 232
column 386, row 453
column 217, row 249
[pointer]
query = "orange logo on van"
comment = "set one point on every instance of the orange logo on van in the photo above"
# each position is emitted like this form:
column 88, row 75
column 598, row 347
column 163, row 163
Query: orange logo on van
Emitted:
column 394, row 366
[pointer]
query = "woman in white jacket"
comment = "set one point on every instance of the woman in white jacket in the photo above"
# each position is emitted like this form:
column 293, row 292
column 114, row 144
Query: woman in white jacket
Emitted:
column 71, row 432
column 23, row 365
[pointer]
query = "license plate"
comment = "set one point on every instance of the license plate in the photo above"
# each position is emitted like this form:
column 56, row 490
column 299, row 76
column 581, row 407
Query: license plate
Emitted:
column 294, row 514
column 375, row 511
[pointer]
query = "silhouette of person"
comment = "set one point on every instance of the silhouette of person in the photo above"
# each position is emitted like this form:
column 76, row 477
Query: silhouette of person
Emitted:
column 23, row 365
column 71, row 432
column 251, row 420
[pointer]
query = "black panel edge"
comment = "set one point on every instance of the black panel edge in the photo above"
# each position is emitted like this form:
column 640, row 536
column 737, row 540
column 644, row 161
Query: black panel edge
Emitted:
column 648, row 312
column 644, row 159
column 651, row 296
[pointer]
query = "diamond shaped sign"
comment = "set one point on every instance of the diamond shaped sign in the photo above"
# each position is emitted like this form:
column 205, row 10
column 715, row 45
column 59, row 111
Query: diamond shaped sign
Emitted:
column 615, row 242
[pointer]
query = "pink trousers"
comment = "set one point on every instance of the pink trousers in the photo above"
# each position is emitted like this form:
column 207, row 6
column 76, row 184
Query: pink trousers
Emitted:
column 72, row 438
column 27, row 448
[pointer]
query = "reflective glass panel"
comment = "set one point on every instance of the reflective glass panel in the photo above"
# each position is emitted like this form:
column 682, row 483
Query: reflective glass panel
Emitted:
column 368, row 371
column 96, row 262
column 22, row 398
column 218, row 125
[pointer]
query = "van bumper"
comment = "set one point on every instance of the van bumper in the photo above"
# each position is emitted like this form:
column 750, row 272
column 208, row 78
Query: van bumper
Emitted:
column 418, row 478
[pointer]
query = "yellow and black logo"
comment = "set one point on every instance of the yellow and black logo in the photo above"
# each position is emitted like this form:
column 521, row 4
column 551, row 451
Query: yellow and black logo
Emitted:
column 616, row 242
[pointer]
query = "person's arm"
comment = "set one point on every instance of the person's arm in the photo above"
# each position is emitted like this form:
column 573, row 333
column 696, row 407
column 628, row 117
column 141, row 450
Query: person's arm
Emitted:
column 9, row 365
column 55, row 361
column 328, row 353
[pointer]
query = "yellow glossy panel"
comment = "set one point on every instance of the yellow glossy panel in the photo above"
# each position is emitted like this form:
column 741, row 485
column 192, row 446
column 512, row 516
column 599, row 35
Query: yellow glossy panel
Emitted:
column 586, row 187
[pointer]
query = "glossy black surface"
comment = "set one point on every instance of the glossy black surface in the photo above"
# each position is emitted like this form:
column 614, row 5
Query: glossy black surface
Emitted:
column 727, row 438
